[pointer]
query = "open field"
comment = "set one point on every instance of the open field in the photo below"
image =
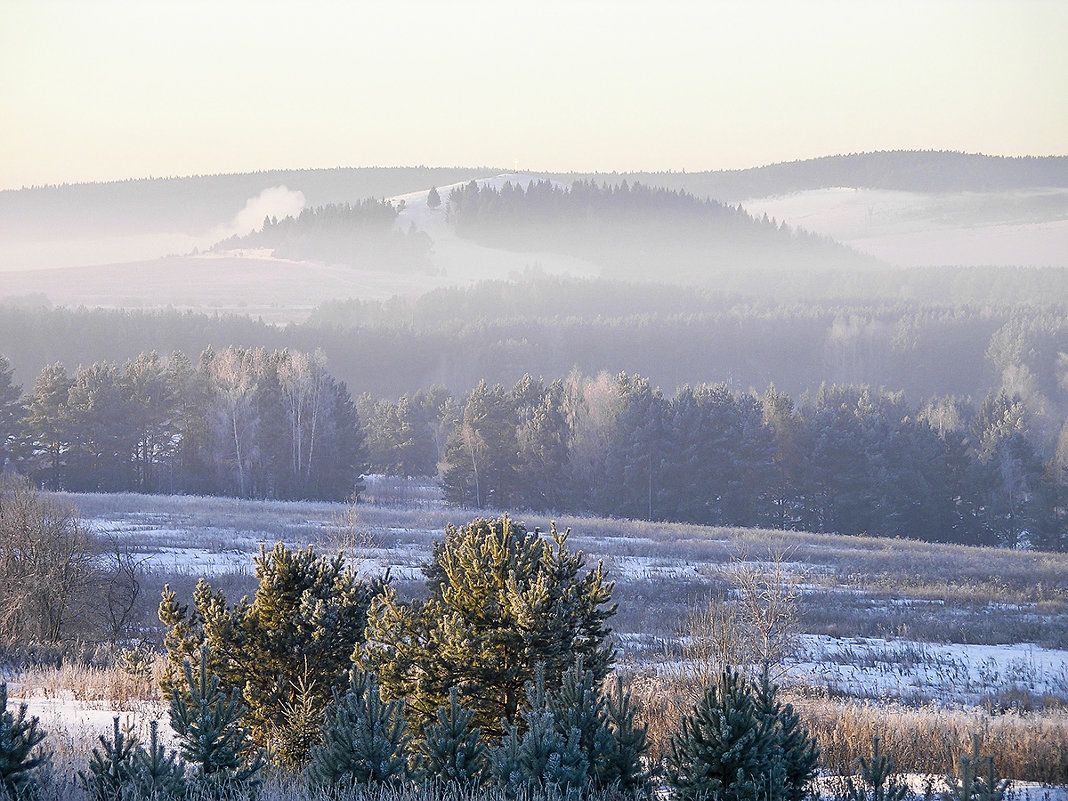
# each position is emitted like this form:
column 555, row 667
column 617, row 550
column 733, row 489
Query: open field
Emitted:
column 879, row 617
column 922, row 643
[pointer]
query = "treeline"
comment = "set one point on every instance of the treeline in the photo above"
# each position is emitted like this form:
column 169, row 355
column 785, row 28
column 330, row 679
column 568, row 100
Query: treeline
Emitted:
column 636, row 231
column 847, row 460
column 843, row 459
column 359, row 235
column 241, row 421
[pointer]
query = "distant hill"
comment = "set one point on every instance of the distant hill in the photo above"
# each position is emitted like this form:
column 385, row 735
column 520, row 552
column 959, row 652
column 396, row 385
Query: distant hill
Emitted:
column 909, row 208
column 637, row 231
column 362, row 235
column 901, row 170
column 196, row 203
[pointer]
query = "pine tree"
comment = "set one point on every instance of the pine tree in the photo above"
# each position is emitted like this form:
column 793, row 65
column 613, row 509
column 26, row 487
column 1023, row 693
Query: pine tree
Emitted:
column 287, row 651
column 723, row 748
column 453, row 752
column 969, row 782
column 481, row 464
column 291, row 745
column 794, row 749
column 542, row 758
column 111, row 769
column 157, row 774
column 365, row 739
column 208, row 724
column 624, row 766
column 877, row 782
column 46, row 431
column 11, row 412
column 22, row 760
column 500, row 600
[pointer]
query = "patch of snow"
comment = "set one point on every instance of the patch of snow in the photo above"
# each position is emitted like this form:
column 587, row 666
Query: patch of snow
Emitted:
column 464, row 261
column 915, row 229
column 918, row 672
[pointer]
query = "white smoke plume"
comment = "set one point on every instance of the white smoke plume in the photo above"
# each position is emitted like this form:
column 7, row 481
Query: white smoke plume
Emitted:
column 278, row 201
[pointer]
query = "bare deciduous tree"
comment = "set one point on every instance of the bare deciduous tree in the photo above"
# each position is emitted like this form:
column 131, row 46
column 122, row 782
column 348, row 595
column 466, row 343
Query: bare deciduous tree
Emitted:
column 755, row 623
column 46, row 563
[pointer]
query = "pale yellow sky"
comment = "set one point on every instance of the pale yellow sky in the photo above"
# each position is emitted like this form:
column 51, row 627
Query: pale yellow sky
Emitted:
column 111, row 90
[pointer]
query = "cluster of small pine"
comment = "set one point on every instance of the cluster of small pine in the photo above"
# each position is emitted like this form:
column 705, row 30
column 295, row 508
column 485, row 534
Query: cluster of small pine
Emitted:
column 496, row 682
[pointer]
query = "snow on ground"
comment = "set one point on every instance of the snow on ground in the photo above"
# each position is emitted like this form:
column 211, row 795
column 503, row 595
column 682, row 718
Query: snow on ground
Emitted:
column 63, row 715
column 914, row 229
column 913, row 671
column 463, row 261
column 919, row 784
column 197, row 562
column 906, row 670
column 649, row 568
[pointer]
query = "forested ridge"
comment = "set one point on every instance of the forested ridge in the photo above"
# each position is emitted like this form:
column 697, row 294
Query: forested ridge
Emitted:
column 902, row 170
column 202, row 202
column 358, row 235
column 632, row 230
column 673, row 336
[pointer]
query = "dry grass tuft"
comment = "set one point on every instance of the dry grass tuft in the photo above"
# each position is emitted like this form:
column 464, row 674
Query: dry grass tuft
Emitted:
column 926, row 740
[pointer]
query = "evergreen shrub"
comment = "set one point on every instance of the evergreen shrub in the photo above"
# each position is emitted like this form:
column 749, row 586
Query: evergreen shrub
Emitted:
column 22, row 759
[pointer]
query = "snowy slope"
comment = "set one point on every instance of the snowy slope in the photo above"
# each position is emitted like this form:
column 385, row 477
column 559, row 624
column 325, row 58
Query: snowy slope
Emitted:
column 913, row 229
column 462, row 261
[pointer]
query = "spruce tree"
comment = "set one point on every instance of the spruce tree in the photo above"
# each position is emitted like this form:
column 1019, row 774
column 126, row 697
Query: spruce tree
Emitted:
column 794, row 750
column 433, row 198
column 877, row 782
column 365, row 739
column 543, row 758
column 157, row 774
column 22, row 760
column 453, row 752
column 208, row 724
column 723, row 749
column 624, row 767
column 110, row 769
column 974, row 778
column 579, row 706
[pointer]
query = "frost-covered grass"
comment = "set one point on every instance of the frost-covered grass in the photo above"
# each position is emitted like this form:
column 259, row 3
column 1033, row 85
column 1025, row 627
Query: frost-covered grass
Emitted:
column 853, row 588
column 1001, row 677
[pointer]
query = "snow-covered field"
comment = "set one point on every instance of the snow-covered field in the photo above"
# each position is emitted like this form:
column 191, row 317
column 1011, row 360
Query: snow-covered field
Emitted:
column 661, row 571
column 921, row 672
column 665, row 576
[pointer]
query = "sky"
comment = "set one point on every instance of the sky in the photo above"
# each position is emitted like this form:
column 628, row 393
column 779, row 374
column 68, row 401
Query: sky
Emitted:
column 99, row 90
